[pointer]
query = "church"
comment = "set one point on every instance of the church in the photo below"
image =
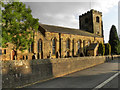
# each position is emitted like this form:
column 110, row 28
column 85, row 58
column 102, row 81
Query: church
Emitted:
column 60, row 42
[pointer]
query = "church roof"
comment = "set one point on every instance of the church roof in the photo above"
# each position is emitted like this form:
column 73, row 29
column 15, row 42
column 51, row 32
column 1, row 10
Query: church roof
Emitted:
column 65, row 30
column 92, row 46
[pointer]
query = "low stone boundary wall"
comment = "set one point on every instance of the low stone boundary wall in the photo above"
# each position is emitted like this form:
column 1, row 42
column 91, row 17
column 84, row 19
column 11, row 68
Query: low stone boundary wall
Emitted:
column 24, row 72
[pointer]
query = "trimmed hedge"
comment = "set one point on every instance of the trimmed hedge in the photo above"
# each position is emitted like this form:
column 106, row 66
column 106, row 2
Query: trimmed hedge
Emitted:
column 107, row 49
column 101, row 49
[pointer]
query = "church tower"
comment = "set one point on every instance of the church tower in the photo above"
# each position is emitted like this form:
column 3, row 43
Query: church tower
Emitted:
column 91, row 22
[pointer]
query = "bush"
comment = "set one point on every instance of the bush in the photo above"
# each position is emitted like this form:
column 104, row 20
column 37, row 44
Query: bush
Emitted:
column 107, row 49
column 118, row 49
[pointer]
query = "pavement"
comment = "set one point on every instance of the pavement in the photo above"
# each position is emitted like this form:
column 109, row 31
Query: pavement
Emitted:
column 103, row 76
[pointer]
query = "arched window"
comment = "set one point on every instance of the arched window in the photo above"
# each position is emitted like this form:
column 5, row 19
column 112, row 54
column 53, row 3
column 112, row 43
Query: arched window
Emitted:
column 39, row 45
column 73, row 47
column 53, row 46
column 97, row 19
column 23, row 57
column 89, row 43
column 79, row 46
column 26, row 57
column 68, row 44
column 83, row 43
column 31, row 47
column 84, row 47
column 4, row 51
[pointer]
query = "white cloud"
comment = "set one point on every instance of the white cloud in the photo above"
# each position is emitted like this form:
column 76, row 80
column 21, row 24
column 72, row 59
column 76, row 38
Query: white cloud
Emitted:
column 67, row 13
column 62, row 13
column 105, row 5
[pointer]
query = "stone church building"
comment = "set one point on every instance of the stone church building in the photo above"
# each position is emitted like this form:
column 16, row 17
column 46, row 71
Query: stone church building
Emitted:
column 59, row 42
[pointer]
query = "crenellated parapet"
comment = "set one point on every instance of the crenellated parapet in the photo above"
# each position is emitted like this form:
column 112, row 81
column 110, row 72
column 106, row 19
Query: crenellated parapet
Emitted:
column 91, row 11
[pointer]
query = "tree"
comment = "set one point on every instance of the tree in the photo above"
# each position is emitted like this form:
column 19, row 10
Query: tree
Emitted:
column 18, row 25
column 107, row 49
column 114, row 40
column 101, row 49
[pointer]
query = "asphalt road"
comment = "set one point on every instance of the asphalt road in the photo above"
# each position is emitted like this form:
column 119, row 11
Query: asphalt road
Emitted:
column 113, row 83
column 88, row 78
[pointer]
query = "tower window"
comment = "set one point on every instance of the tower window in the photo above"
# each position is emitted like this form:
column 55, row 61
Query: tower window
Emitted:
column 97, row 32
column 86, row 20
column 97, row 19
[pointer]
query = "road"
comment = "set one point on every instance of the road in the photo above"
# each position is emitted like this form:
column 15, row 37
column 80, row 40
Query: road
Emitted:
column 97, row 76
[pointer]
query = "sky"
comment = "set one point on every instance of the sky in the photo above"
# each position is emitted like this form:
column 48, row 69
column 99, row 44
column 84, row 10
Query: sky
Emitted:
column 66, row 12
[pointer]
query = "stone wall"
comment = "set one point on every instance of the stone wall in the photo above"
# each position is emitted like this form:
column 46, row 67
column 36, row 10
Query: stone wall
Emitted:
column 23, row 72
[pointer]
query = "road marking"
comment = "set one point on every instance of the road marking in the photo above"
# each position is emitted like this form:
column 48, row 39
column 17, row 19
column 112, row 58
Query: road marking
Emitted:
column 106, row 81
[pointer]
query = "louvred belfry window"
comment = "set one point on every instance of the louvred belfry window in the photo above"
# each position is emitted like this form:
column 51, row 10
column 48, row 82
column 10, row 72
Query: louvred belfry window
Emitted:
column 97, row 19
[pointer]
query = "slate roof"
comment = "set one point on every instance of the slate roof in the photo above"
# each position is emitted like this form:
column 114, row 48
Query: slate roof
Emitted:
column 92, row 46
column 65, row 30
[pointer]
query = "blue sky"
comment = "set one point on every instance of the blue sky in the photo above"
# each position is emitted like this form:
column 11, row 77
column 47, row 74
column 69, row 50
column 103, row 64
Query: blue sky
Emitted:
column 66, row 12
column 109, row 19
